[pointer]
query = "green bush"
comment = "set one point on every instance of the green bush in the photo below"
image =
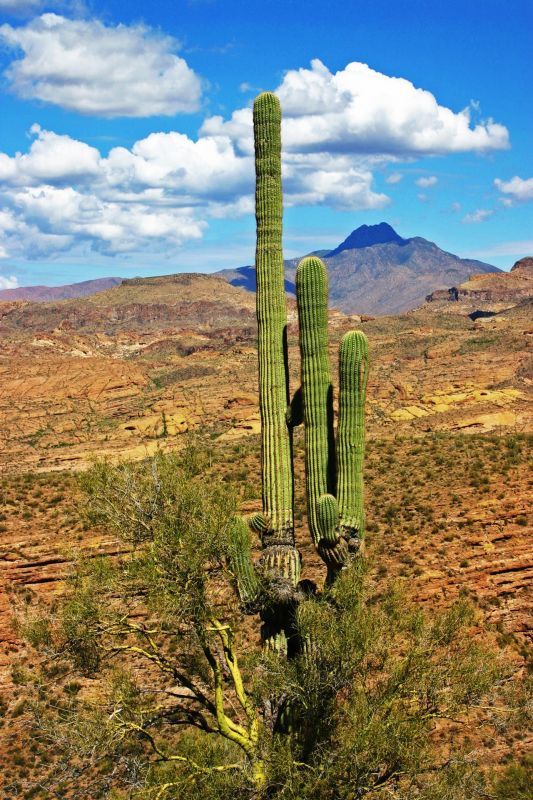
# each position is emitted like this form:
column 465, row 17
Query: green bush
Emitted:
column 515, row 783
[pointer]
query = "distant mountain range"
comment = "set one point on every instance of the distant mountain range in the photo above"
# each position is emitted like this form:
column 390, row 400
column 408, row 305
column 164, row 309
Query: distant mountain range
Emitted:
column 373, row 271
column 199, row 303
column 46, row 294
column 376, row 271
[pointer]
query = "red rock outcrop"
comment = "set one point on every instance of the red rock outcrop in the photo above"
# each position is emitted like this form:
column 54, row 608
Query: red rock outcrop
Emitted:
column 491, row 289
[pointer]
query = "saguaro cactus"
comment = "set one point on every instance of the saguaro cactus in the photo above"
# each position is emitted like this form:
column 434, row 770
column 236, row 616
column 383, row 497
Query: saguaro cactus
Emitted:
column 333, row 478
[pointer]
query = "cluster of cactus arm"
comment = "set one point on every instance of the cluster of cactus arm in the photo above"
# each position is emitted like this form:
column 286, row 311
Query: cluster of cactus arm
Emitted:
column 333, row 469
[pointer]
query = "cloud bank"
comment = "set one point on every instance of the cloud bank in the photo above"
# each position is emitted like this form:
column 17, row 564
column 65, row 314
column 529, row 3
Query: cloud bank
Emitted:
column 358, row 111
column 87, row 67
column 338, row 128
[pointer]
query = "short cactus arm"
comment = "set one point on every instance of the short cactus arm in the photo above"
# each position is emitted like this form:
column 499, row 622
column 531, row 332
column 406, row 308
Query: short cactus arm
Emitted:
column 259, row 523
column 272, row 319
column 353, row 375
column 241, row 564
column 317, row 391
column 328, row 519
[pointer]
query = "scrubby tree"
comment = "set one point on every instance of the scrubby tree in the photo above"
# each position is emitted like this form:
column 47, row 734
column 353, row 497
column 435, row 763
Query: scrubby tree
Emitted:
column 153, row 684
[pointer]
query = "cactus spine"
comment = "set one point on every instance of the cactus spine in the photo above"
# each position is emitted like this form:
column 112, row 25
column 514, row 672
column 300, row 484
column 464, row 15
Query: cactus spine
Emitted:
column 334, row 480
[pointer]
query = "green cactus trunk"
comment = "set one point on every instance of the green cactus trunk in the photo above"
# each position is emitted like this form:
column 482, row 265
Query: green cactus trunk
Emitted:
column 272, row 322
column 317, row 391
column 280, row 562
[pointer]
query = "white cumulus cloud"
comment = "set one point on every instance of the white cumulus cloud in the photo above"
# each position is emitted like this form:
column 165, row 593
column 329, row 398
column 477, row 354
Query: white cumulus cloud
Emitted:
column 425, row 183
column 518, row 189
column 64, row 216
column 479, row 215
column 394, row 177
column 358, row 110
column 85, row 66
column 208, row 168
column 51, row 157
column 8, row 281
column 332, row 181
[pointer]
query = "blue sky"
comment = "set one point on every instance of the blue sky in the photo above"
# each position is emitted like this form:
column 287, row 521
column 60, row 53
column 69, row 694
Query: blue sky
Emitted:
column 125, row 143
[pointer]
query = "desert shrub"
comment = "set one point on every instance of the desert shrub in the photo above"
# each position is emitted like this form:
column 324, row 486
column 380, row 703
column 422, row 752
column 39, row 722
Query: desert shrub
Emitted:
column 143, row 648
column 515, row 783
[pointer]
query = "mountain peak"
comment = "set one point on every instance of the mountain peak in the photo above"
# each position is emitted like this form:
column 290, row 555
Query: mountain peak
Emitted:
column 368, row 235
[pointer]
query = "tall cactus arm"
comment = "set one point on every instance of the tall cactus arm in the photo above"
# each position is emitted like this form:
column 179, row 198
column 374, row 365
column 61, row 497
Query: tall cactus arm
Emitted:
column 317, row 391
column 276, row 451
column 353, row 374
column 241, row 564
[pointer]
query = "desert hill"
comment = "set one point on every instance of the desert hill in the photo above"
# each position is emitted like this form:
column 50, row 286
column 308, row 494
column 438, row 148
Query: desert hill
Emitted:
column 127, row 370
column 68, row 291
column 376, row 271
column 487, row 293
column 201, row 302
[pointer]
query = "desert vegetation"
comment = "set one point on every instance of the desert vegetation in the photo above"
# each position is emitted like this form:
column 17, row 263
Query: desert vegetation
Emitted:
column 136, row 637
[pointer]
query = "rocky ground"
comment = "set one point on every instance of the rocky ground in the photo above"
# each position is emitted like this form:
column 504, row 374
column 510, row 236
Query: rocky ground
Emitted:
column 129, row 370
